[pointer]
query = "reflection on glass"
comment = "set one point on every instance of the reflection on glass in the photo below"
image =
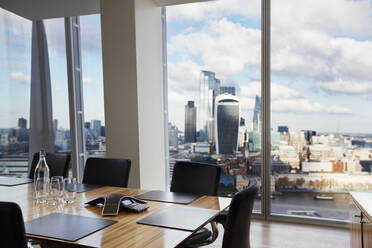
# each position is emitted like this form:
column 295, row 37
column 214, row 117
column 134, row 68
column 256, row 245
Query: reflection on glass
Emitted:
column 321, row 81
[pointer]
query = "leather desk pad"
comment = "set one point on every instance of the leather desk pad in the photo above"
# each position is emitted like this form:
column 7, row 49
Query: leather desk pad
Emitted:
column 13, row 181
column 65, row 226
column 172, row 197
column 180, row 217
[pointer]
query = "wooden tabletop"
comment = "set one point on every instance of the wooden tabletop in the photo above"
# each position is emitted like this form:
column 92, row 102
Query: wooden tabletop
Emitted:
column 125, row 233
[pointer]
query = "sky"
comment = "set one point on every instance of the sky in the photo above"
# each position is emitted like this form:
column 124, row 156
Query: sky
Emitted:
column 321, row 59
column 15, row 69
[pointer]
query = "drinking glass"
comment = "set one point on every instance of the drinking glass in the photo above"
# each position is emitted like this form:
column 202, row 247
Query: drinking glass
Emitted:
column 70, row 190
column 62, row 186
column 42, row 189
column 54, row 191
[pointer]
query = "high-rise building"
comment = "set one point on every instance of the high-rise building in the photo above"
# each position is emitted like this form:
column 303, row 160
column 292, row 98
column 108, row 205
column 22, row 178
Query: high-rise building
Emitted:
column 22, row 123
column 228, row 90
column 55, row 127
column 227, row 122
column 190, row 122
column 209, row 89
column 242, row 133
column 257, row 115
column 87, row 125
column 96, row 126
column 283, row 129
column 308, row 135
column 173, row 136
column 103, row 131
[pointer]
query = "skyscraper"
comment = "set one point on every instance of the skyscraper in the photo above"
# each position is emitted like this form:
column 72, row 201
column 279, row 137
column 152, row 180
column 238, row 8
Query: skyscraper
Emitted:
column 96, row 126
column 257, row 115
column 190, row 122
column 209, row 89
column 228, row 90
column 227, row 124
column 22, row 123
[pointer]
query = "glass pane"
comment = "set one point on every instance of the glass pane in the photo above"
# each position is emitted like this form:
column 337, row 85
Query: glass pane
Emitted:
column 55, row 31
column 15, row 69
column 214, row 84
column 321, row 93
column 91, row 55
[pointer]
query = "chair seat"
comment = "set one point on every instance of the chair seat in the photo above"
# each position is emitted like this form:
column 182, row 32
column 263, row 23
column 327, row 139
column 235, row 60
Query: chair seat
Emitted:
column 200, row 237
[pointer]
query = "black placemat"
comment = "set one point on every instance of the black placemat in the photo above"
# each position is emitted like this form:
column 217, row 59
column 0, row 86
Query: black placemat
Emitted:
column 13, row 181
column 65, row 226
column 84, row 187
column 180, row 217
column 172, row 197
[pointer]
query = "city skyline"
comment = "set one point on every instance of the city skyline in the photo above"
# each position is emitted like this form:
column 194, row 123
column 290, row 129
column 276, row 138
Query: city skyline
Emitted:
column 314, row 85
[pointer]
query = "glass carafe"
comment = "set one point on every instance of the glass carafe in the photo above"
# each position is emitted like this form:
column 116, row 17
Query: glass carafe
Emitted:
column 41, row 178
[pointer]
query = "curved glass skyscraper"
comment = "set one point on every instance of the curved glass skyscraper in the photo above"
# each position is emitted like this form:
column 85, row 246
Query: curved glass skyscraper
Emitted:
column 227, row 124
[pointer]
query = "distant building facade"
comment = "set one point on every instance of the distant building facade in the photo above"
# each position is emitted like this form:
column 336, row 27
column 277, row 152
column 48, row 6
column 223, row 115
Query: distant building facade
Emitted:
column 228, row 90
column 22, row 123
column 283, row 129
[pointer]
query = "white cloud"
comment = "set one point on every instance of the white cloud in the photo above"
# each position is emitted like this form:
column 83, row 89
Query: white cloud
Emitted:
column 87, row 80
column 214, row 9
column 20, row 77
column 284, row 99
column 346, row 87
column 225, row 47
column 335, row 16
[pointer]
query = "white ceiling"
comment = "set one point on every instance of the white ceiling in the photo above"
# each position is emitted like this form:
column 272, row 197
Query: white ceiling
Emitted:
column 45, row 9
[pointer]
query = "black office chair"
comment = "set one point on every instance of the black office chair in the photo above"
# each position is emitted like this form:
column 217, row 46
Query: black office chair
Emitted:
column 239, row 218
column 197, row 178
column 58, row 164
column 12, row 226
column 107, row 172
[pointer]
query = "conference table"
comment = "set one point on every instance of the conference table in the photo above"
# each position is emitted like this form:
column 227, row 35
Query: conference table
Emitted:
column 125, row 233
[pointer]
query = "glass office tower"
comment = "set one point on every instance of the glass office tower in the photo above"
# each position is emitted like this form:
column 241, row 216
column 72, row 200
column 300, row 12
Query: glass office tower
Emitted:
column 227, row 124
column 190, row 122
column 209, row 89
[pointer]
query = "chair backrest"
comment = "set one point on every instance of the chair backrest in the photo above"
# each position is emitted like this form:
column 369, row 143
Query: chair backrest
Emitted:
column 238, row 222
column 107, row 172
column 58, row 164
column 12, row 226
column 196, row 178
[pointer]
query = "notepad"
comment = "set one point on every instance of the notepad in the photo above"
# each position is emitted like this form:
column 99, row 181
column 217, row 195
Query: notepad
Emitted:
column 65, row 226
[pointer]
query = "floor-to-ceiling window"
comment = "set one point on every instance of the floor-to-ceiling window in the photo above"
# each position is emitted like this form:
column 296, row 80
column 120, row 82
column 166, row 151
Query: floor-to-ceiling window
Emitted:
column 214, row 87
column 15, row 69
column 91, row 55
column 320, row 99
column 55, row 34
